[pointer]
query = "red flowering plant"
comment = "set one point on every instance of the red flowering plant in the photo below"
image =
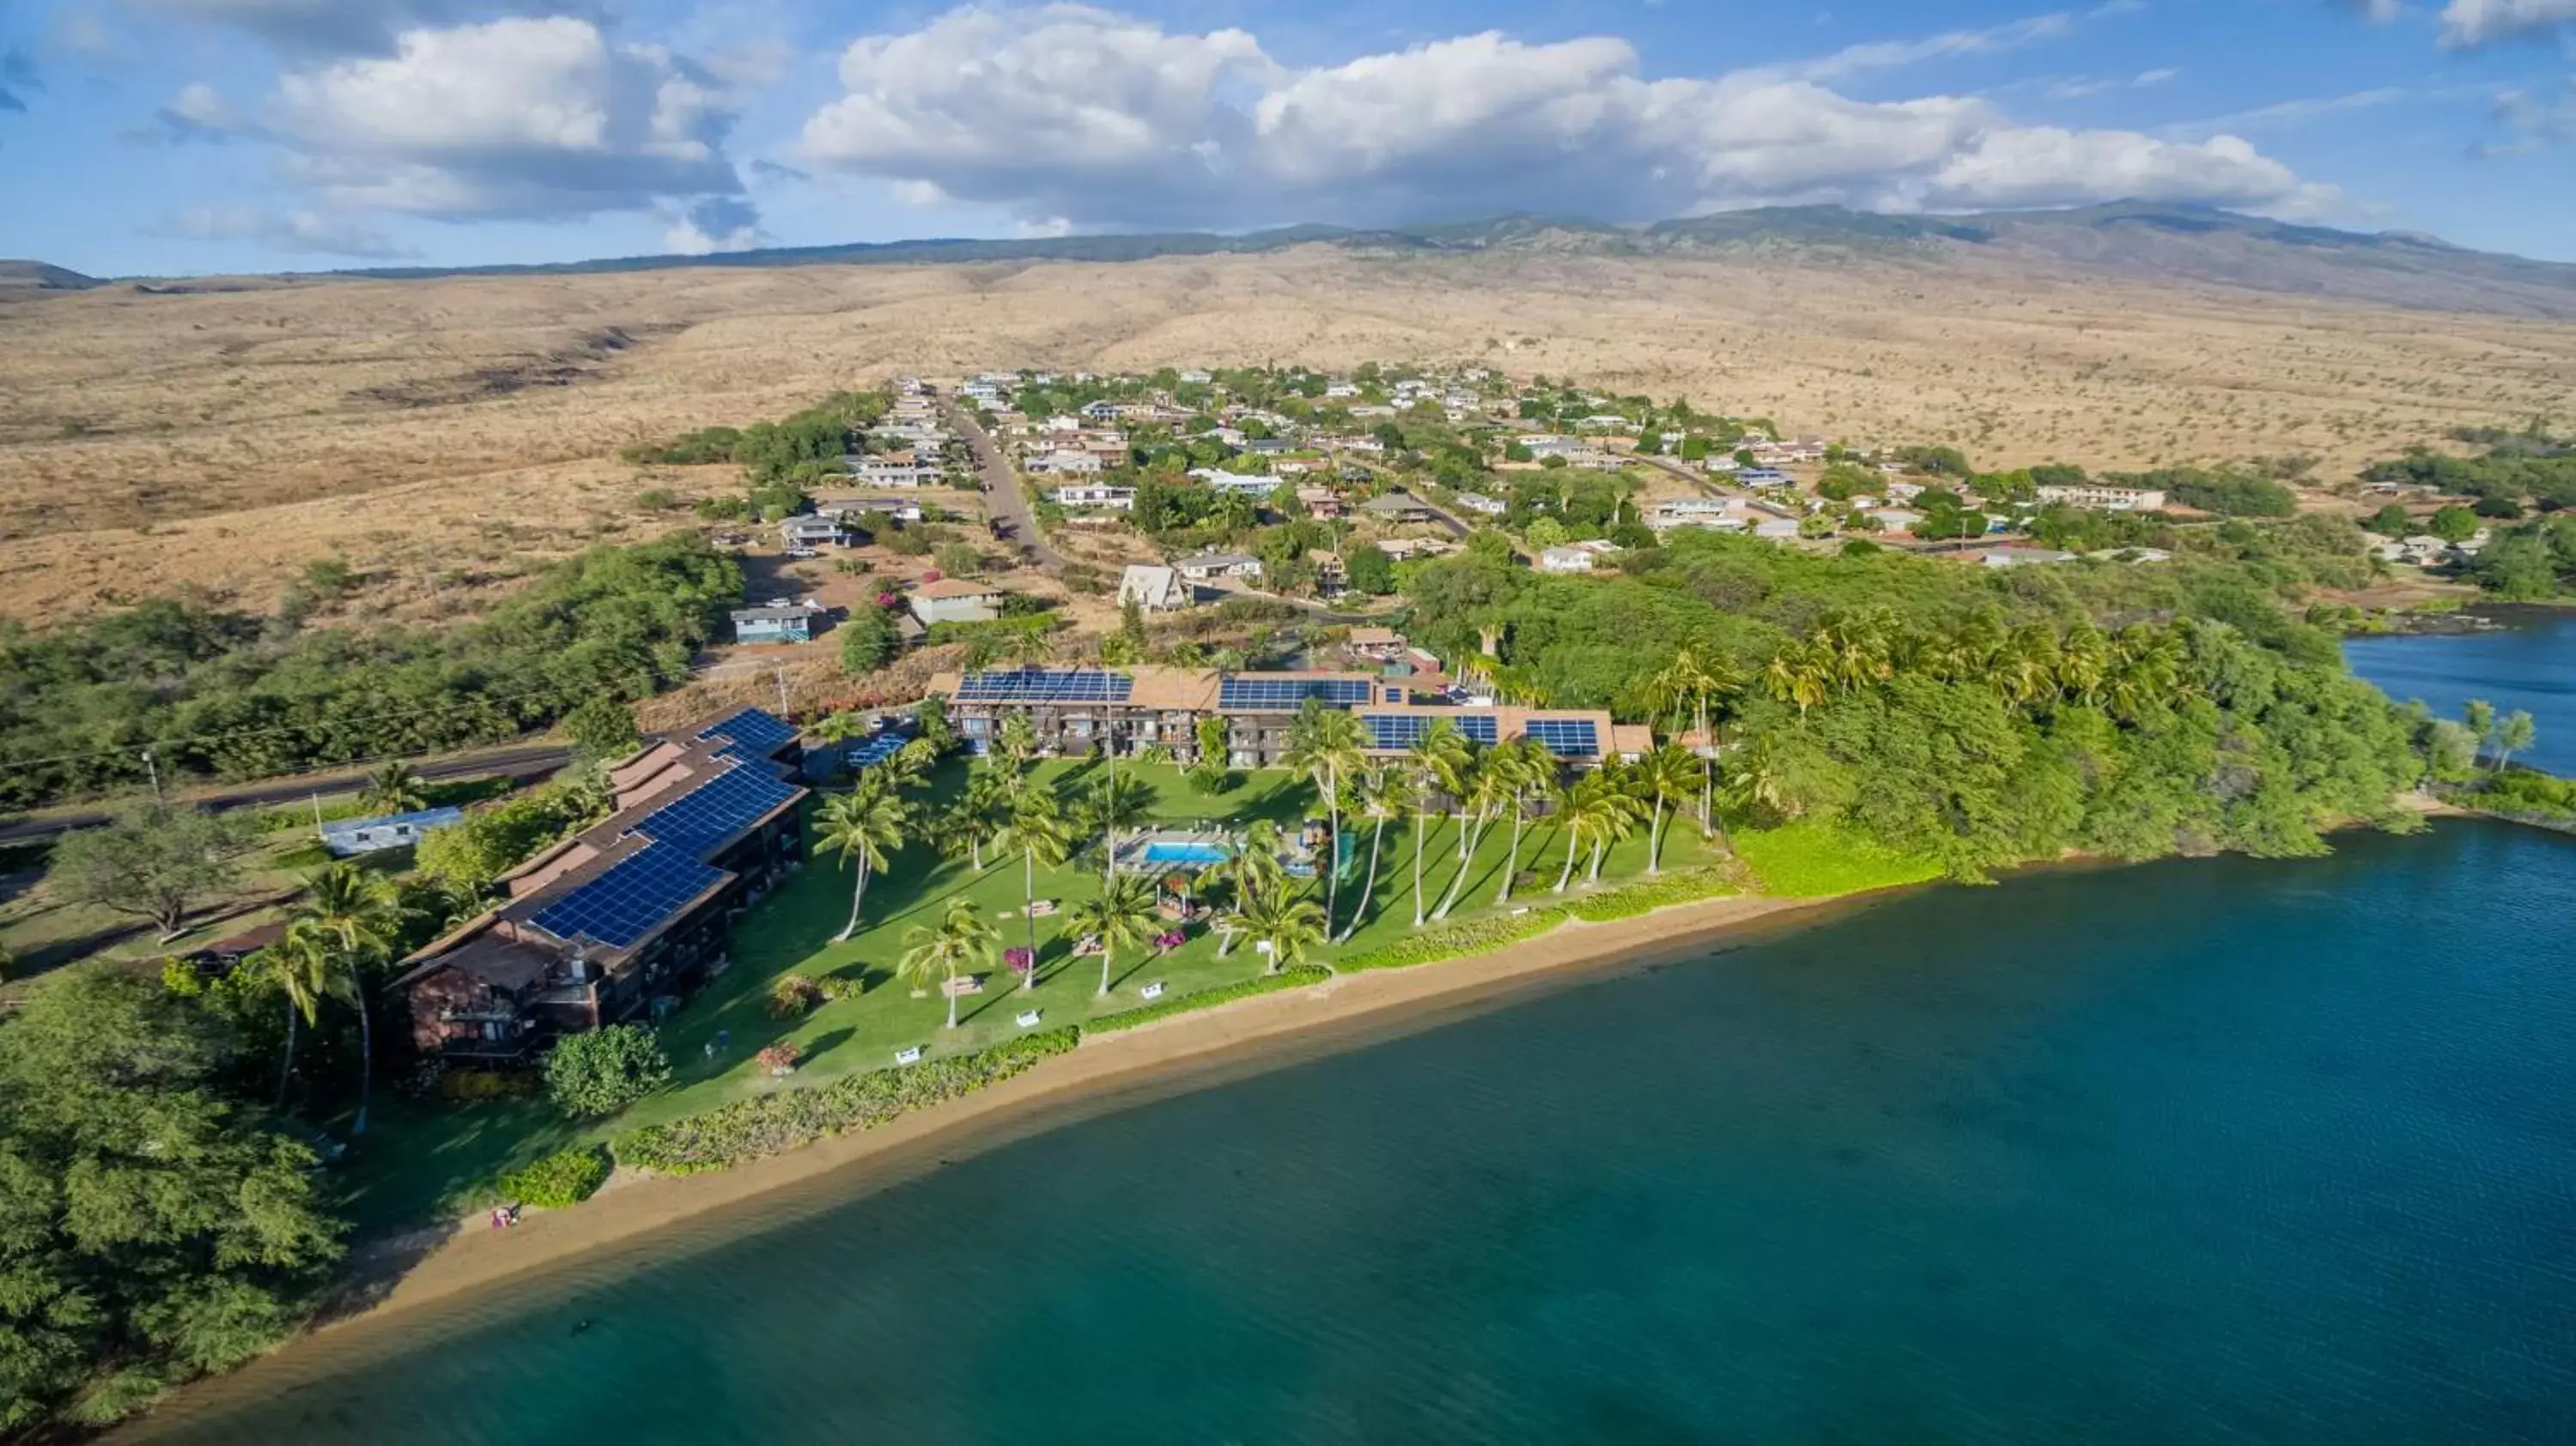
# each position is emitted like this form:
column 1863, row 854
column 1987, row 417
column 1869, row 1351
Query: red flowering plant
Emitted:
column 780, row 1058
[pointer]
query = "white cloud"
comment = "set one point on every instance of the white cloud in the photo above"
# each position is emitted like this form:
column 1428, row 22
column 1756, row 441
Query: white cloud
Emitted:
column 2467, row 24
column 298, row 231
column 531, row 118
column 1888, row 54
column 1086, row 117
column 718, row 223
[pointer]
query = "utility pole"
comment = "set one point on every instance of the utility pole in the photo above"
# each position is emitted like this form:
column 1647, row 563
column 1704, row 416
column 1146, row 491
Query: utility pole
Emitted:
column 155, row 770
column 782, row 692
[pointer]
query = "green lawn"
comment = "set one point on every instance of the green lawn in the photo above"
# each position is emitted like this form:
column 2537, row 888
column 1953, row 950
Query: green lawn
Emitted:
column 425, row 1156
column 1814, row 860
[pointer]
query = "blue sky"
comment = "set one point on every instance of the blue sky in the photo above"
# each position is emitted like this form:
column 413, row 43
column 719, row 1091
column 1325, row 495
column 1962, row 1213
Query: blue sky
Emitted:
column 146, row 137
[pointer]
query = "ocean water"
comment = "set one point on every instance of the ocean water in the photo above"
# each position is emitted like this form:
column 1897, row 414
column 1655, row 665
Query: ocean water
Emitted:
column 2531, row 666
column 2217, row 1150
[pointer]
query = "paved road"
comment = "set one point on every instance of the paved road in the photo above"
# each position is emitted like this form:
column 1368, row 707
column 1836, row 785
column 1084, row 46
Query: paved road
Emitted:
column 1002, row 492
column 512, row 761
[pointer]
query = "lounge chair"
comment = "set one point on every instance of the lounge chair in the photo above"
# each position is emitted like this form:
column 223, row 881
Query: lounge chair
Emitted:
column 1151, row 991
column 909, row 1054
column 1028, row 1019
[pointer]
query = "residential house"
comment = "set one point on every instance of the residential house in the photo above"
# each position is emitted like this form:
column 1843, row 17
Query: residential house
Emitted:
column 1399, row 508
column 1155, row 589
column 1715, row 513
column 1762, row 477
column 622, row 920
column 352, row 837
column 2105, row 497
column 1567, row 559
column 1321, row 503
column 1405, row 549
column 955, row 600
column 774, row 625
column 1066, row 462
column 1211, row 566
column 861, row 509
column 1095, row 494
column 2018, row 556
column 1243, row 484
column 817, row 530
column 1479, row 502
column 883, row 472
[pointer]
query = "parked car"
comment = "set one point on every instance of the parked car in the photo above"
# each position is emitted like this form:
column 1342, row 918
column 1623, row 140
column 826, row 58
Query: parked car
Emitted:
column 803, row 552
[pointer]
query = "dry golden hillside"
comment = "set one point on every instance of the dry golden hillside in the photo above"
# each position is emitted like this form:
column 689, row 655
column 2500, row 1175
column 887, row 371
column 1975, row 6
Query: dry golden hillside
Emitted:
column 438, row 433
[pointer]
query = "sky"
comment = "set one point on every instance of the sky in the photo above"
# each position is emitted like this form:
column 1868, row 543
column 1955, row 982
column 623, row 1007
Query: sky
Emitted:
column 173, row 137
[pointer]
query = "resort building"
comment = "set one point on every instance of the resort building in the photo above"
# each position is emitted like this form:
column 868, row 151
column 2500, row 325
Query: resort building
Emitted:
column 1083, row 711
column 626, row 914
column 2105, row 498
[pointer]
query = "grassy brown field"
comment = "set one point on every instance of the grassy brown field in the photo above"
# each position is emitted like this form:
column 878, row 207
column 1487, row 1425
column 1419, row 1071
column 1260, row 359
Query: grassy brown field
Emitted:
column 441, row 434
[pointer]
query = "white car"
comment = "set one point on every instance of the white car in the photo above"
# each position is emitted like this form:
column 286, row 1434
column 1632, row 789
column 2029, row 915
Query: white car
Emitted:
column 803, row 552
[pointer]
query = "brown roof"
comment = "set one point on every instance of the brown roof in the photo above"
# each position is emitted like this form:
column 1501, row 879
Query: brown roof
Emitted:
column 1375, row 637
column 956, row 587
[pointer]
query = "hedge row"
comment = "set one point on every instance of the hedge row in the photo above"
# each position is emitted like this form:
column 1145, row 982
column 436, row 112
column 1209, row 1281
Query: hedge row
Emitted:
column 1456, row 941
column 771, row 1124
column 1298, row 977
column 564, row 1178
column 1628, row 901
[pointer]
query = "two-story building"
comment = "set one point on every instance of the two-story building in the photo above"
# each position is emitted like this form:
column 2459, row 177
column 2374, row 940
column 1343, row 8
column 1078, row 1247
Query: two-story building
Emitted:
column 791, row 624
column 628, row 914
column 955, row 600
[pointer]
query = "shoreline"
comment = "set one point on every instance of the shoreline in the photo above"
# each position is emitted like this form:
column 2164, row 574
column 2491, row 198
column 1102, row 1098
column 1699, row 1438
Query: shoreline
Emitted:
column 423, row 1287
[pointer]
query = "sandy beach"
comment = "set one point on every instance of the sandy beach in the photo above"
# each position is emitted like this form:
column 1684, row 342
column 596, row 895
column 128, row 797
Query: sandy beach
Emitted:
column 642, row 1217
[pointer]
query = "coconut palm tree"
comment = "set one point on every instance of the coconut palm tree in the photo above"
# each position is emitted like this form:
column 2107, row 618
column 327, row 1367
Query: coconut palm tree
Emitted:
column 861, row 827
column 1122, row 917
column 1017, row 743
column 300, row 963
column 1290, row 926
column 1116, row 803
column 1596, row 809
column 1665, row 775
column 358, row 915
column 2028, row 667
column 841, row 727
column 1797, row 674
column 1325, row 744
column 1040, row 835
column 960, row 941
column 1439, row 760
column 1533, row 771
column 1494, row 787
column 395, row 788
column 1381, row 796
column 1252, row 871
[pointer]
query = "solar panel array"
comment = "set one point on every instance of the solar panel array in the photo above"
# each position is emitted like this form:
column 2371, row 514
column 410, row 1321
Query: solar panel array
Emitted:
column 1291, row 693
column 1046, row 685
column 629, row 901
column 1403, row 730
column 875, row 750
column 755, row 730
column 1567, row 737
column 699, row 821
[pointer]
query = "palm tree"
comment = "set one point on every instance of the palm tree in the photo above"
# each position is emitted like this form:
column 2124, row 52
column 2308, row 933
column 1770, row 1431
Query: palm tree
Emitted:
column 861, row 826
column 959, row 942
column 1115, row 804
column 1495, row 787
column 841, row 727
column 2029, row 665
column 1121, row 918
column 1252, row 872
column 1290, row 926
column 977, row 814
column 2084, row 662
column 1663, row 776
column 1325, row 744
column 910, row 764
column 1797, row 674
column 1533, row 771
column 395, row 788
column 357, row 915
column 1382, row 795
column 1596, row 809
column 1017, row 743
column 1039, row 834
column 1438, row 759
column 300, row 962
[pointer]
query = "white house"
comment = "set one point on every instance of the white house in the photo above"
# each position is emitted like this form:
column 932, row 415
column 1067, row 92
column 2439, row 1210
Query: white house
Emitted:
column 1095, row 494
column 876, row 472
column 2104, row 497
column 1065, row 462
column 1709, row 512
column 1566, row 559
column 1245, row 483
column 1155, row 589
column 1209, row 566
column 1479, row 502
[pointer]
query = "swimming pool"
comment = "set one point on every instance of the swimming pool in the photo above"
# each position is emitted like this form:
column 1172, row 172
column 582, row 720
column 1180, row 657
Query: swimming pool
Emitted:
column 1174, row 851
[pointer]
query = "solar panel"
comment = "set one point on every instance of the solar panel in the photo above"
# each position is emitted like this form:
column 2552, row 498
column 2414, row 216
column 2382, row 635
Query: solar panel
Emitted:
column 1046, row 685
column 702, row 819
column 629, row 901
column 1567, row 737
column 875, row 750
column 1291, row 693
column 1403, row 730
column 755, row 730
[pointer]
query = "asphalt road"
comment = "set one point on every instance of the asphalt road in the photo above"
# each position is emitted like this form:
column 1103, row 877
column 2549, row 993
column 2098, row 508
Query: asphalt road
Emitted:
column 1002, row 494
column 514, row 761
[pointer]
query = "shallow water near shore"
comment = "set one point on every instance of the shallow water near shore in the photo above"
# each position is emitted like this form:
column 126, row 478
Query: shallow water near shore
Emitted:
column 2529, row 664
column 2222, row 1149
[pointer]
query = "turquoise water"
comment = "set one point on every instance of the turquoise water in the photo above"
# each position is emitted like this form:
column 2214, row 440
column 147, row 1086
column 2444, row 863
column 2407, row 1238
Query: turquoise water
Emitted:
column 2201, row 1151
column 2531, row 666
column 1185, row 853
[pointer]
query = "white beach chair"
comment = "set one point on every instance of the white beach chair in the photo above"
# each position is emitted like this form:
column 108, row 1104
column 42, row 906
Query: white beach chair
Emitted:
column 1028, row 1019
column 1151, row 991
column 909, row 1054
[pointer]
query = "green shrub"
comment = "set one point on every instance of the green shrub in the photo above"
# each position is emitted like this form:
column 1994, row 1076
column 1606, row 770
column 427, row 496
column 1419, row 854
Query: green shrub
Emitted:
column 1297, row 978
column 1813, row 859
column 1682, row 886
column 788, row 1119
column 793, row 996
column 1482, row 936
column 560, row 1180
column 605, row 1070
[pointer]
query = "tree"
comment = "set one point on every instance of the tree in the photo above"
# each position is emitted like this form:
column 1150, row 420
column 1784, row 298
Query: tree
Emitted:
column 1038, row 833
column 960, row 559
column 1662, row 777
column 1546, row 532
column 1253, row 871
column 1214, row 768
column 395, row 788
column 1114, row 804
column 1532, row 770
column 1597, row 810
column 2480, row 715
column 602, row 728
column 301, row 972
column 1122, row 917
column 861, row 827
column 153, row 1231
column 1325, row 744
column 1491, row 788
column 2392, row 521
column 2453, row 523
column 1382, row 797
column 1371, row 570
column 1439, row 760
column 605, row 1070
column 870, row 639
column 930, row 721
column 2514, row 733
column 353, row 917
column 959, row 942
column 152, row 861
column 1131, row 623
column 1290, row 926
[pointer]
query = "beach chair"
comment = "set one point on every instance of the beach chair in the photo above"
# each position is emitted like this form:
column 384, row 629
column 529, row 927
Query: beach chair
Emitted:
column 909, row 1054
column 1028, row 1019
column 1151, row 991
